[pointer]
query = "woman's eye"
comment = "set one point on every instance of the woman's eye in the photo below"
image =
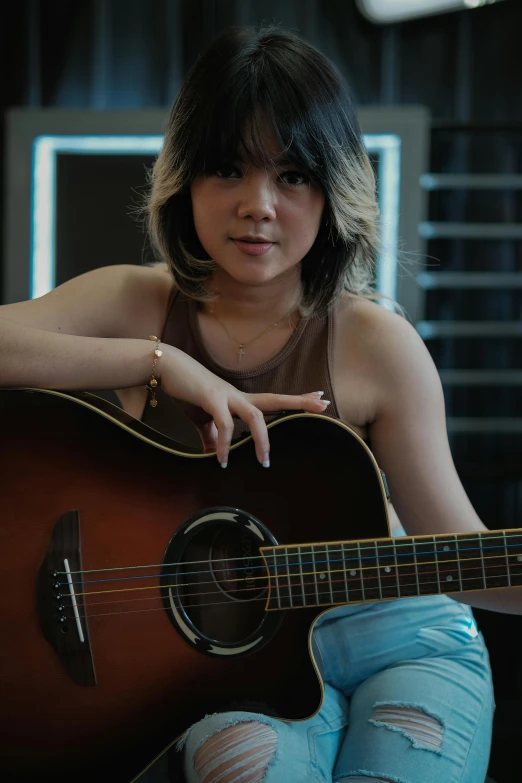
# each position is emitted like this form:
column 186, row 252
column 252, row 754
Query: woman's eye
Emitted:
column 227, row 172
column 294, row 178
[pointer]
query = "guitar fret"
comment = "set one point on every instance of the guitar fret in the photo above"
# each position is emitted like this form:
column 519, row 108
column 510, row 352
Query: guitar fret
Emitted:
column 271, row 560
column 345, row 574
column 313, row 569
column 352, row 574
column 514, row 548
column 436, row 561
column 396, row 569
column 370, row 573
column 455, row 537
column 324, row 583
column 282, row 579
column 406, row 577
column 288, row 578
column 472, row 562
column 388, row 569
column 449, row 572
column 495, row 564
column 507, row 558
column 329, row 572
column 308, row 576
column 294, row 576
column 483, row 567
column 416, row 570
column 426, row 571
column 378, row 568
column 303, row 594
column 361, row 579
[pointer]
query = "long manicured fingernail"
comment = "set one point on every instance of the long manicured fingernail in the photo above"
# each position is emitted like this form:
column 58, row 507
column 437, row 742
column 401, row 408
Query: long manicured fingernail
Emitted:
column 224, row 464
column 266, row 461
column 325, row 402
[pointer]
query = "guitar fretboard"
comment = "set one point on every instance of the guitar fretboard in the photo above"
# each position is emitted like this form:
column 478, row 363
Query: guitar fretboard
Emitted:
column 347, row 572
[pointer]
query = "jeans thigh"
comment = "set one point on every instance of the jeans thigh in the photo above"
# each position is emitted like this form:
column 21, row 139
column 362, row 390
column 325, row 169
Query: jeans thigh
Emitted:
column 353, row 646
column 454, row 696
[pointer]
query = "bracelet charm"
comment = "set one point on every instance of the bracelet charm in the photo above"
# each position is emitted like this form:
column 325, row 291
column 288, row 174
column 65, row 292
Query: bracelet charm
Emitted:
column 153, row 383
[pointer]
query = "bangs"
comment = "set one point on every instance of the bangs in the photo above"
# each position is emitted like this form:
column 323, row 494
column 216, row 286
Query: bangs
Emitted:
column 259, row 126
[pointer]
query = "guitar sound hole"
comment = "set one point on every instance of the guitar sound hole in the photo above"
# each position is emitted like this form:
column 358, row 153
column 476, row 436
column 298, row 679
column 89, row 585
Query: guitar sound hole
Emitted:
column 223, row 587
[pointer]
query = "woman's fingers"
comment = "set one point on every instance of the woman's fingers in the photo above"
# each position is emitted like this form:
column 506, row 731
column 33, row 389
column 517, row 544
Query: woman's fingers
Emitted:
column 251, row 411
column 225, row 429
column 209, row 435
column 250, row 408
column 256, row 422
column 310, row 402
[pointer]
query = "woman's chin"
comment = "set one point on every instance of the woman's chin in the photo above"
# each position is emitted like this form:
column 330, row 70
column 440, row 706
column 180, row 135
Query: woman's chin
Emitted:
column 256, row 273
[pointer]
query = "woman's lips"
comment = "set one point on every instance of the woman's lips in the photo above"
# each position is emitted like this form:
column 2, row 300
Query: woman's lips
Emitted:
column 253, row 248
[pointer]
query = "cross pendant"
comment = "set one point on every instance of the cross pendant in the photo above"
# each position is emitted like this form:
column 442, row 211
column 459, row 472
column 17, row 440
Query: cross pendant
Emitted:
column 240, row 353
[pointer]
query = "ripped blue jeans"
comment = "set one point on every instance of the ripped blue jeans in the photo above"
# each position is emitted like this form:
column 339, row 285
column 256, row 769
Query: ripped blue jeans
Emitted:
column 408, row 699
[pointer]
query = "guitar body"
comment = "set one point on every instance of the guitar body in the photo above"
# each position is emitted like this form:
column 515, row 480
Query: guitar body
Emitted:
column 154, row 660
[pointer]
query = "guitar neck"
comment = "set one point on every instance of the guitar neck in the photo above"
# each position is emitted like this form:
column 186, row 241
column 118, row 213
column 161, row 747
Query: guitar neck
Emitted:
column 345, row 572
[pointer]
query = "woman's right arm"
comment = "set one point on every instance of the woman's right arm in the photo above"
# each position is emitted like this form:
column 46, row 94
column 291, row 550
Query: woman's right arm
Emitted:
column 87, row 334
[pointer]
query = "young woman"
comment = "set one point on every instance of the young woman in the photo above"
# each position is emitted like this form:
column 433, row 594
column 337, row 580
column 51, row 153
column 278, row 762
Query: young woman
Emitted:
column 263, row 212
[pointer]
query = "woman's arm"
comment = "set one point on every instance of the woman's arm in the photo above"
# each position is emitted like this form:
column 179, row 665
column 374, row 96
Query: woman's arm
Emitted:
column 89, row 333
column 409, row 440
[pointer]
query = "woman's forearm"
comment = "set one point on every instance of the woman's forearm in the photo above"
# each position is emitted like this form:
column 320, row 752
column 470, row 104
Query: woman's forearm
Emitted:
column 37, row 358
column 507, row 600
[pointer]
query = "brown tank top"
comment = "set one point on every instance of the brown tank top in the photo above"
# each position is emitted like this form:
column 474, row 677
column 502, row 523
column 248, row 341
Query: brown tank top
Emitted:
column 303, row 365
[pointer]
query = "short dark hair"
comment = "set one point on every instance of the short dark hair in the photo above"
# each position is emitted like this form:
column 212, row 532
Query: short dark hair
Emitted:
column 248, row 75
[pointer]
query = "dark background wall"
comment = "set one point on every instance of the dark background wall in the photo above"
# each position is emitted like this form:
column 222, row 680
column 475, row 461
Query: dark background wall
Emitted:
column 466, row 67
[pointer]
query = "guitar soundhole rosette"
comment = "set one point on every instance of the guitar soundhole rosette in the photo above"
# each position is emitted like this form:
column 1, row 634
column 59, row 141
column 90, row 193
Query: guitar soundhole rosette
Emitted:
column 215, row 585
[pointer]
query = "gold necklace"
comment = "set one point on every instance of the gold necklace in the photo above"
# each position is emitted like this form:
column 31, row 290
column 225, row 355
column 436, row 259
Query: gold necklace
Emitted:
column 241, row 346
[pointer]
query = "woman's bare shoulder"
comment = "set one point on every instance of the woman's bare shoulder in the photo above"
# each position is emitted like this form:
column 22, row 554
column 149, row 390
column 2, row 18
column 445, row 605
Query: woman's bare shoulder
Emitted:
column 142, row 295
column 151, row 289
column 384, row 346
column 368, row 323
column 122, row 300
column 379, row 345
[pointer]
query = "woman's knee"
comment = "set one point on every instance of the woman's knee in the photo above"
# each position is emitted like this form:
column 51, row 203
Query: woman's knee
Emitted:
column 241, row 752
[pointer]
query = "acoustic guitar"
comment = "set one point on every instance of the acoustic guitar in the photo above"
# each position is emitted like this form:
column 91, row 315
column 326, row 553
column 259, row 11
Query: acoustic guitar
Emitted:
column 142, row 586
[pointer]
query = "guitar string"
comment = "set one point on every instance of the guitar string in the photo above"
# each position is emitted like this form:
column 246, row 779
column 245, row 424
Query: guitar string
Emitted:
column 302, row 574
column 311, row 573
column 285, row 554
column 304, row 606
column 304, row 563
column 285, row 584
column 487, row 534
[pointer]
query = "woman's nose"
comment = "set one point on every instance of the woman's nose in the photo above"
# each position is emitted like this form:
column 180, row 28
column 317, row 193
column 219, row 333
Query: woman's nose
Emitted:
column 257, row 198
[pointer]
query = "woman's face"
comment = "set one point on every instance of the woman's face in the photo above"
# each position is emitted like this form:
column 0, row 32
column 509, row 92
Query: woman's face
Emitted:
column 277, row 204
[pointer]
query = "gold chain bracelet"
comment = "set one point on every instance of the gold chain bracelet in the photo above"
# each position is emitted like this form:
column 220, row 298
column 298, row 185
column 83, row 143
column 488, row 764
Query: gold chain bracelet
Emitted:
column 153, row 383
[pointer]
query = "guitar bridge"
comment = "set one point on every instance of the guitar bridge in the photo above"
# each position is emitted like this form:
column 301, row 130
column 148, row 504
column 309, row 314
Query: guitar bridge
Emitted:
column 58, row 583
